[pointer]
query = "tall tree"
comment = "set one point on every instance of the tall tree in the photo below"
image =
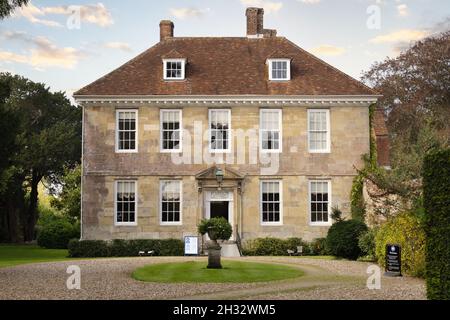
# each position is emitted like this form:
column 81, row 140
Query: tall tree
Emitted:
column 48, row 141
column 8, row 6
column 415, row 88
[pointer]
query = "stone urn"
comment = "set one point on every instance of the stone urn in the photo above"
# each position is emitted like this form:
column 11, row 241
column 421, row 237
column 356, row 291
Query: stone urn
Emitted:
column 214, row 250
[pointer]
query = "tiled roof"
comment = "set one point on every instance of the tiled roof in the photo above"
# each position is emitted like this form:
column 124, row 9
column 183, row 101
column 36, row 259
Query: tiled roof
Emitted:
column 225, row 66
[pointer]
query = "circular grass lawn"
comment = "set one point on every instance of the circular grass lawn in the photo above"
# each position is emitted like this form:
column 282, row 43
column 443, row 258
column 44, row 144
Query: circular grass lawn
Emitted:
column 232, row 271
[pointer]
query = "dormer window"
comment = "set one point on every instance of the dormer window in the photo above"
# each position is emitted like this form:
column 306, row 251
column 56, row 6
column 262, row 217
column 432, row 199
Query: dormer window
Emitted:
column 279, row 69
column 174, row 69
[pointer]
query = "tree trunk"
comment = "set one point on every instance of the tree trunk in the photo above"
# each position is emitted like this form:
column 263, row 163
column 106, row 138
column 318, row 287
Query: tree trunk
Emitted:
column 32, row 215
column 11, row 218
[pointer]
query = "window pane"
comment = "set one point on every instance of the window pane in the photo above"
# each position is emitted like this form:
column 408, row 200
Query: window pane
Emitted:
column 170, row 201
column 125, row 201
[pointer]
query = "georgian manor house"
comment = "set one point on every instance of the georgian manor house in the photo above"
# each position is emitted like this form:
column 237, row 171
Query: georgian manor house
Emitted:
column 254, row 129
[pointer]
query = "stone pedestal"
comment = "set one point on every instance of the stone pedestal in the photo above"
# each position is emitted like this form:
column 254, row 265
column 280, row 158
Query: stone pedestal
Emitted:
column 214, row 252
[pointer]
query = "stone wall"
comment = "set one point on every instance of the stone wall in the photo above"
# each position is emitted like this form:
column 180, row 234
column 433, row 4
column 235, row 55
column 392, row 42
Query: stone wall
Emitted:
column 102, row 166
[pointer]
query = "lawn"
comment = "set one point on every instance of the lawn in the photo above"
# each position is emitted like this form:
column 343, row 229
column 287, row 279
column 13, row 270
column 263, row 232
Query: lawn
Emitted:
column 12, row 255
column 232, row 272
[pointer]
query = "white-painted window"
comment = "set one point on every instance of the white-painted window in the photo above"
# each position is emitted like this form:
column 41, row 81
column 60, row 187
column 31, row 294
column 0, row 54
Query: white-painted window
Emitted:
column 171, row 130
column 319, row 130
column 279, row 69
column 270, row 135
column 171, row 202
column 320, row 202
column 271, row 203
column 219, row 130
column 126, row 203
column 126, row 130
column 174, row 69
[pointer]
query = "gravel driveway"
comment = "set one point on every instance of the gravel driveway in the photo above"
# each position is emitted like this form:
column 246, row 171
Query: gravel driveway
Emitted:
column 111, row 279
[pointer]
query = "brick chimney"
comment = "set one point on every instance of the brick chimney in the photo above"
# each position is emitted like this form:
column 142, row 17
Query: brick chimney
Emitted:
column 255, row 24
column 165, row 29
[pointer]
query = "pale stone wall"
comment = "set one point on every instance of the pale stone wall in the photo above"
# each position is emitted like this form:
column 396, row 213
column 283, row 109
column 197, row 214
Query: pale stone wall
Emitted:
column 102, row 166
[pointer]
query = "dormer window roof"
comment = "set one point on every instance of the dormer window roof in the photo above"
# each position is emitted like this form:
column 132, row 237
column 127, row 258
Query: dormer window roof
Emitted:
column 279, row 69
column 174, row 65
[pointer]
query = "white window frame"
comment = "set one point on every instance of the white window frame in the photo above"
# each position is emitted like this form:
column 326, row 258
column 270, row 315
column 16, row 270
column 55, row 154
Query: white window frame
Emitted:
column 280, row 129
column 183, row 69
column 270, row 224
column 288, row 71
column 320, row 224
column 230, row 139
column 165, row 223
column 328, row 147
column 135, row 150
column 126, row 224
column 161, row 136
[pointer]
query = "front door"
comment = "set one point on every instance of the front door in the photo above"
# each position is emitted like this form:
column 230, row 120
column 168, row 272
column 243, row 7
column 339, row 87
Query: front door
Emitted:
column 219, row 204
column 219, row 209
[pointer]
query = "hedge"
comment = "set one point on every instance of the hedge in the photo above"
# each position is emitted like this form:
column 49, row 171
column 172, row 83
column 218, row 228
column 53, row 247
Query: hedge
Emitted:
column 406, row 230
column 436, row 190
column 124, row 248
column 342, row 239
column 273, row 246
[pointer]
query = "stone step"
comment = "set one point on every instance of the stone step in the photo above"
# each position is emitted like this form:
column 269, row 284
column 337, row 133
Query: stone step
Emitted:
column 230, row 250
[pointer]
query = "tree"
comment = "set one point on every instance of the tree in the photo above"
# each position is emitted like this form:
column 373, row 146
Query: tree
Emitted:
column 415, row 87
column 69, row 200
column 416, row 100
column 8, row 6
column 48, row 140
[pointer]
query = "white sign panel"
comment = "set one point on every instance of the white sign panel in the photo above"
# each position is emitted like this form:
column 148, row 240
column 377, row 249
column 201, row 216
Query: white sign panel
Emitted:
column 191, row 246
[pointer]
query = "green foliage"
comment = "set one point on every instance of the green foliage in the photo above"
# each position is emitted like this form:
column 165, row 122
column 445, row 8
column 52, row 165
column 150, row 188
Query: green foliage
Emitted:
column 436, row 184
column 42, row 132
column 318, row 247
column 336, row 214
column 125, row 248
column 68, row 201
column 221, row 227
column 55, row 232
column 8, row 6
column 342, row 239
column 273, row 246
column 88, row 248
column 406, row 230
column 373, row 143
column 366, row 243
column 357, row 203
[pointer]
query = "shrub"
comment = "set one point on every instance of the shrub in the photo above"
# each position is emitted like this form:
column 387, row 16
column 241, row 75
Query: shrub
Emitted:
column 436, row 187
column 56, row 234
column 366, row 243
column 273, row 246
column 125, row 248
column 88, row 248
column 342, row 239
column 406, row 230
column 318, row 247
column 222, row 228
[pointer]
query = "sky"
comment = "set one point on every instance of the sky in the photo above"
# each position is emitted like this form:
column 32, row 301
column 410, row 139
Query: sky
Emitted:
column 69, row 44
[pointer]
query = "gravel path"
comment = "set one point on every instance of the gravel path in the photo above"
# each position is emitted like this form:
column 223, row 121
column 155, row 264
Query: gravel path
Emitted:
column 111, row 279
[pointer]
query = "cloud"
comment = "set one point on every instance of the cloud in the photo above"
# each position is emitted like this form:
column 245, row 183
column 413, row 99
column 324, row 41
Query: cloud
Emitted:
column 96, row 14
column 328, row 50
column 269, row 6
column 43, row 53
column 404, row 35
column 402, row 10
column 119, row 45
column 31, row 12
column 309, row 1
column 183, row 13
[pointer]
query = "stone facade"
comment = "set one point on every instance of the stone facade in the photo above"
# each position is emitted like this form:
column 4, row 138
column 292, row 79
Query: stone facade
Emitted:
column 102, row 166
